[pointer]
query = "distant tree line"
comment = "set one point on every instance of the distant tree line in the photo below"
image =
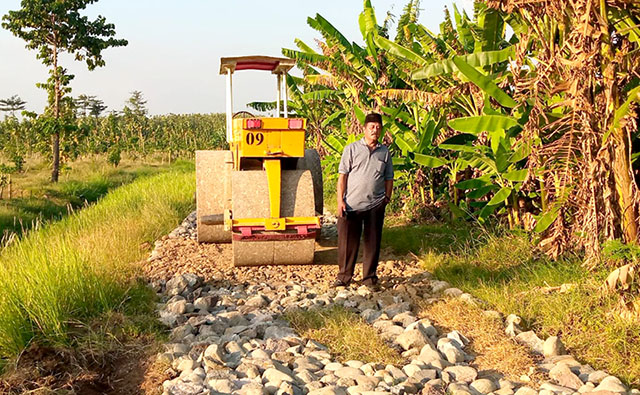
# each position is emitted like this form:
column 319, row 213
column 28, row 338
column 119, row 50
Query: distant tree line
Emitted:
column 88, row 130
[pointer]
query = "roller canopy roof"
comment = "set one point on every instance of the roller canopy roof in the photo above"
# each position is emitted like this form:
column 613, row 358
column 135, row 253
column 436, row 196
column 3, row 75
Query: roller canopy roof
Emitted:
column 267, row 63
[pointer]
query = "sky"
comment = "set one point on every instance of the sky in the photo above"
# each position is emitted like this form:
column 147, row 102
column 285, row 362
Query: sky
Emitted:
column 175, row 47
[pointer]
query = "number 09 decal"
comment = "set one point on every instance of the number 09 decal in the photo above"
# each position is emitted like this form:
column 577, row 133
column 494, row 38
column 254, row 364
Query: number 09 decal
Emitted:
column 254, row 138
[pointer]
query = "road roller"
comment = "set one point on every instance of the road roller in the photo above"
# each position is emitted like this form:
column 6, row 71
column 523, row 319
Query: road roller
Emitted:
column 264, row 194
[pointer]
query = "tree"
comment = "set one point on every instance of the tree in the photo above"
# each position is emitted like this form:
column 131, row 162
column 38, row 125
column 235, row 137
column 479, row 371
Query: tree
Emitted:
column 97, row 107
column 83, row 102
column 12, row 104
column 51, row 28
column 136, row 105
column 135, row 113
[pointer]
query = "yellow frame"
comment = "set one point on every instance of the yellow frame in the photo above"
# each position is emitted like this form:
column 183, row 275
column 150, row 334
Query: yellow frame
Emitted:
column 272, row 141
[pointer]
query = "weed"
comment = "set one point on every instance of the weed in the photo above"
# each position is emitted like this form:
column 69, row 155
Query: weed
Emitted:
column 346, row 334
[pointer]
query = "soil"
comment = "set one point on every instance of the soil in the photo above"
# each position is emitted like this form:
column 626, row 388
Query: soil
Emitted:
column 42, row 370
column 214, row 262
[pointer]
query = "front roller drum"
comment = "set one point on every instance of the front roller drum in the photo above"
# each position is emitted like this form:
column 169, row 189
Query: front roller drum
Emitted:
column 281, row 252
column 250, row 199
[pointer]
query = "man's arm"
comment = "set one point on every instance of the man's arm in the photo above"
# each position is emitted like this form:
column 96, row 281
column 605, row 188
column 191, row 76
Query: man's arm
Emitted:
column 342, row 185
column 388, row 189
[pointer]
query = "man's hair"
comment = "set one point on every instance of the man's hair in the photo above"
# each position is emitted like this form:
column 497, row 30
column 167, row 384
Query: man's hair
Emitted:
column 373, row 117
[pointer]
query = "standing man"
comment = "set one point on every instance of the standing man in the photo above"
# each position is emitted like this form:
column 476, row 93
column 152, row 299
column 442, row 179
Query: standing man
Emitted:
column 365, row 183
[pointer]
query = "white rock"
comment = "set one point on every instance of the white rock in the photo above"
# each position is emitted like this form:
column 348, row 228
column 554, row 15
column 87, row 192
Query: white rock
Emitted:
column 483, row 386
column 531, row 340
column 612, row 384
column 412, row 339
column 552, row 347
column 465, row 374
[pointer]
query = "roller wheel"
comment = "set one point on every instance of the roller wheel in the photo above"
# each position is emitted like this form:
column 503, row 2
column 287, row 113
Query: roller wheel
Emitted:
column 213, row 193
column 311, row 162
column 250, row 196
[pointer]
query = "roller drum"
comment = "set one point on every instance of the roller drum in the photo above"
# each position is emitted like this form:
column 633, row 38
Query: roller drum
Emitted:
column 250, row 199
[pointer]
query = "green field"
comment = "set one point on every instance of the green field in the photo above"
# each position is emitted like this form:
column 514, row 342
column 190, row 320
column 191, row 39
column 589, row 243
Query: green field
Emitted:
column 35, row 201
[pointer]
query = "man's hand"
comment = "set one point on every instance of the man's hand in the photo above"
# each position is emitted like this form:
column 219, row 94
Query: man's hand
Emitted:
column 342, row 208
column 342, row 186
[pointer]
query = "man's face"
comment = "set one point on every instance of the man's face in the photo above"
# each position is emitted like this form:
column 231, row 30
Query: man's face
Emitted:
column 372, row 131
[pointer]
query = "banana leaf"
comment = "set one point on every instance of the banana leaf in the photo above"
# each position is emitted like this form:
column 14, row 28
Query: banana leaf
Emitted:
column 500, row 196
column 483, row 123
column 484, row 83
column 516, row 175
column 479, row 59
column 400, row 51
column 429, row 161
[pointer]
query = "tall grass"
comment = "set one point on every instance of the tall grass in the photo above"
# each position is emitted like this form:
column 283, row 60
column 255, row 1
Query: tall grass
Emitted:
column 63, row 274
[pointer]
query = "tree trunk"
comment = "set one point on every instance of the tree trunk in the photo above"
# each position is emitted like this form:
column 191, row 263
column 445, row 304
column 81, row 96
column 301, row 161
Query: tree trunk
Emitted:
column 55, row 140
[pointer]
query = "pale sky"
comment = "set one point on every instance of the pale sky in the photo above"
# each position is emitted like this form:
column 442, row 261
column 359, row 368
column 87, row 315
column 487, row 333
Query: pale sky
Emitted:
column 175, row 47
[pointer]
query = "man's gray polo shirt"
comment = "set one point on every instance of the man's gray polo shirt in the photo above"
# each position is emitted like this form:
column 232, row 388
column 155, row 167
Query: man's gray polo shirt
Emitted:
column 367, row 171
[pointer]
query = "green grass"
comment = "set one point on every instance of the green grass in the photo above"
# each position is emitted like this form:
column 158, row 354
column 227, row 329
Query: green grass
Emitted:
column 67, row 273
column 505, row 271
column 346, row 334
column 35, row 200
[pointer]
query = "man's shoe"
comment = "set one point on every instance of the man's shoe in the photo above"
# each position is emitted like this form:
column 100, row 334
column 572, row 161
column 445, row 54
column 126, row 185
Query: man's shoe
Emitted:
column 371, row 284
column 340, row 283
column 373, row 287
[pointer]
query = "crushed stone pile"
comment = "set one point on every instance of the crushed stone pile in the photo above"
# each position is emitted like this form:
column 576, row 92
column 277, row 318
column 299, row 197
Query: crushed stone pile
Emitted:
column 228, row 335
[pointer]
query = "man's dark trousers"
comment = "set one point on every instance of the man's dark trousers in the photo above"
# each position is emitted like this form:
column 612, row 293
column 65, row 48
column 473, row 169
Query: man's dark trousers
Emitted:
column 350, row 228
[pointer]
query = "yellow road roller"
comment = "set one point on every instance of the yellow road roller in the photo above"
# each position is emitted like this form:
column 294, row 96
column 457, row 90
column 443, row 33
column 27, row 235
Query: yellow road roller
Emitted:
column 264, row 195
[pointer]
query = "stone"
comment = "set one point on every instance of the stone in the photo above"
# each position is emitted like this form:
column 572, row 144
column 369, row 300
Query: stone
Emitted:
column 452, row 292
column 224, row 386
column 526, row 391
column 411, row 369
column 556, row 389
column 186, row 365
column 531, row 340
column 458, row 337
column 425, row 375
column 185, row 388
column 439, row 286
column 348, row 372
column 465, row 374
column 305, row 376
column 331, row 390
column 204, row 303
column 611, row 383
column 412, row 339
column 181, row 332
column 552, row 347
column 404, row 319
column 178, row 307
column 277, row 332
column 397, row 308
column 176, row 285
column 333, row 366
column 368, row 382
column 588, row 387
column 354, row 364
column 565, row 377
column 595, row 377
column 213, row 356
column 257, row 301
column 483, row 386
column 252, row 388
column 275, row 377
